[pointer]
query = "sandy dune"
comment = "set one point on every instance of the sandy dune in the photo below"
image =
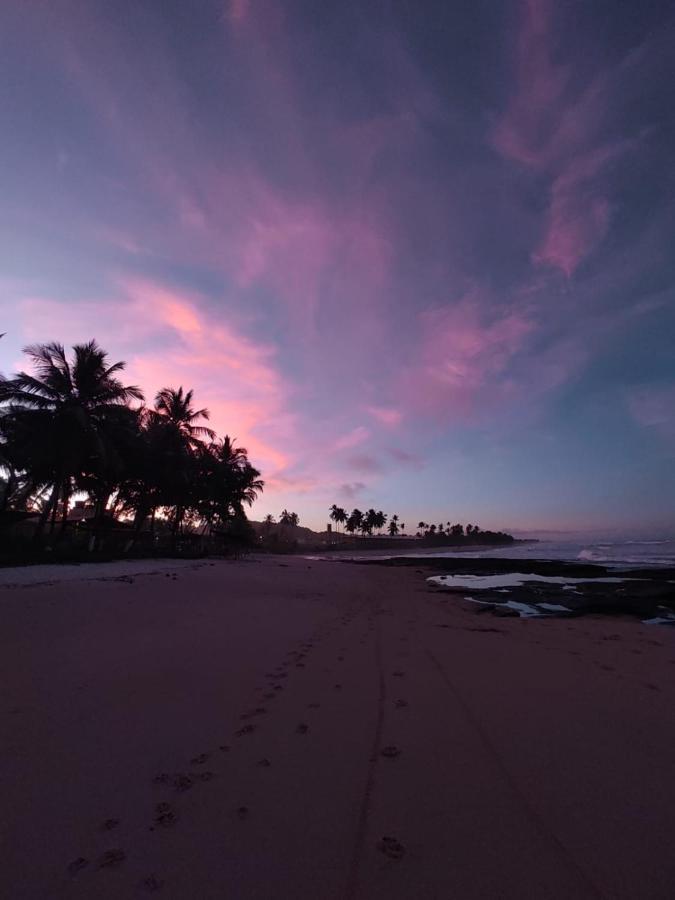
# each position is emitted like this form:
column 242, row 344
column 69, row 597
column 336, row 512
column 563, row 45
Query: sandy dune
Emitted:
column 219, row 732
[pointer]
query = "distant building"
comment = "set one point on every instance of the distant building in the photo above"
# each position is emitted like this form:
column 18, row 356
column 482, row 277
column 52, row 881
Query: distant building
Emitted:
column 81, row 511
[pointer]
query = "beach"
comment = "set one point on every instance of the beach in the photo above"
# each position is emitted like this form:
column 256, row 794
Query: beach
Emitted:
column 291, row 728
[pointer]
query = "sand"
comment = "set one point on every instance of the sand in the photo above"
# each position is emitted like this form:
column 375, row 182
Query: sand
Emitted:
column 219, row 733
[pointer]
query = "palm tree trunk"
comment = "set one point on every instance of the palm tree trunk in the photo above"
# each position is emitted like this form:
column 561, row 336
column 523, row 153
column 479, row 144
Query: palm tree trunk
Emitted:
column 44, row 514
column 54, row 502
column 64, row 505
column 178, row 518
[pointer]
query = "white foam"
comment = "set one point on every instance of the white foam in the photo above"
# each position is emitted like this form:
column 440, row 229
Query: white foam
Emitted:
column 515, row 579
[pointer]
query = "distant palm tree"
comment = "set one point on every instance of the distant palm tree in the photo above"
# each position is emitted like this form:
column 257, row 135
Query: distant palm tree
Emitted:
column 289, row 518
column 379, row 520
column 337, row 514
column 354, row 521
column 368, row 521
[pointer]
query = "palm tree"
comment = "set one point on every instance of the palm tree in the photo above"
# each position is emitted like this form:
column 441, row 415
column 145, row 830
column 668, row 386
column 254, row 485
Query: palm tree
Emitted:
column 337, row 514
column 174, row 409
column 61, row 417
column 379, row 520
column 354, row 521
column 224, row 483
column 289, row 518
column 175, row 418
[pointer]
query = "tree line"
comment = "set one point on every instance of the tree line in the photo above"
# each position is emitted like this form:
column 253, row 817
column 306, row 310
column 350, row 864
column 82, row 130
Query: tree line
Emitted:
column 71, row 426
column 372, row 520
column 365, row 522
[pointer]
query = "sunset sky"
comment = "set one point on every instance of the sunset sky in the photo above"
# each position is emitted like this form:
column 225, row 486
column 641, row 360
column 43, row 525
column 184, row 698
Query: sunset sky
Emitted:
column 413, row 255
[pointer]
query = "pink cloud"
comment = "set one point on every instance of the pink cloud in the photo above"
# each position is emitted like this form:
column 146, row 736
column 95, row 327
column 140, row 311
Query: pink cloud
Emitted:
column 405, row 457
column 352, row 439
column 554, row 127
column 464, row 348
column 576, row 225
column 238, row 11
column 169, row 338
column 578, row 215
column 386, row 415
column 521, row 133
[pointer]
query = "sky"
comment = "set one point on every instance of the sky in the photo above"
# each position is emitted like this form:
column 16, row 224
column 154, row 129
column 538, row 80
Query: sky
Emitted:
column 413, row 255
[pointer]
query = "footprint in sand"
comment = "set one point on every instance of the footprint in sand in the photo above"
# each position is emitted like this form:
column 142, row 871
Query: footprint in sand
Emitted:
column 242, row 812
column 247, row 729
column 269, row 695
column 391, row 847
column 337, row 687
column 264, row 763
column 182, row 782
column 112, row 858
column 224, row 748
column 165, row 815
column 302, row 728
column 109, row 824
column 398, row 674
column 400, row 704
column 199, row 760
column 391, row 752
column 205, row 776
column 162, row 778
column 152, row 883
column 77, row 865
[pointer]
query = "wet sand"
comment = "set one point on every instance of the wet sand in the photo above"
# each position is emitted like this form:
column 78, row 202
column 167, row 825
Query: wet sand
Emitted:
column 292, row 729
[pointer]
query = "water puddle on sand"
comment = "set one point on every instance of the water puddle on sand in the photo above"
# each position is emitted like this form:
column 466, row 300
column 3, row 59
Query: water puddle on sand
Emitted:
column 513, row 579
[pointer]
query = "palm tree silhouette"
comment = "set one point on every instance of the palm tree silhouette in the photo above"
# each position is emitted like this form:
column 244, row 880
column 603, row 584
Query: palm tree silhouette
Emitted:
column 176, row 419
column 337, row 514
column 62, row 416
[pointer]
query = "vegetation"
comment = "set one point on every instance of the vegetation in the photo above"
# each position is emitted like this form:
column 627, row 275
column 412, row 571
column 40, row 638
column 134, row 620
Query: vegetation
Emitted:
column 72, row 427
column 370, row 521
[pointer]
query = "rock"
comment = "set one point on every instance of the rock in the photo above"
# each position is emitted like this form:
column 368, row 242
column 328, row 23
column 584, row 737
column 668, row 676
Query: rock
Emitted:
column 506, row 612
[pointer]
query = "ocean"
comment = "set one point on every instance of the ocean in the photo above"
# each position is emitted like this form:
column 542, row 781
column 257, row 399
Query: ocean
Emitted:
column 610, row 553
